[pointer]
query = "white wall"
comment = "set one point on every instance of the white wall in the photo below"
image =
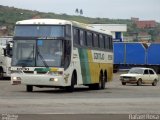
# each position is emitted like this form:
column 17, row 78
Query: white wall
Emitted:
column 113, row 28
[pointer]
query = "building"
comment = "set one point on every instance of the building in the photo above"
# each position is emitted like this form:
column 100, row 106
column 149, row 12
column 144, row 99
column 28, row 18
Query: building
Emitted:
column 3, row 30
column 134, row 19
column 117, row 30
column 145, row 24
column 3, row 27
column 144, row 37
column 5, row 39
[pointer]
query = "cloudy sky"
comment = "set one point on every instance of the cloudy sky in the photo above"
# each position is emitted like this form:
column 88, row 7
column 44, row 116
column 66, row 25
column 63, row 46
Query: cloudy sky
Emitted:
column 123, row 9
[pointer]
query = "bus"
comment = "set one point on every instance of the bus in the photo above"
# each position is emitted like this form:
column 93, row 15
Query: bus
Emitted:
column 60, row 53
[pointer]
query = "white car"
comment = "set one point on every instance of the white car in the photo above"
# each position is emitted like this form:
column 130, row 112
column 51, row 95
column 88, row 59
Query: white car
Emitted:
column 139, row 76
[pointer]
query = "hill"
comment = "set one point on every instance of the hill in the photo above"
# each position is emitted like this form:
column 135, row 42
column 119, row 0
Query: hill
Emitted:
column 9, row 16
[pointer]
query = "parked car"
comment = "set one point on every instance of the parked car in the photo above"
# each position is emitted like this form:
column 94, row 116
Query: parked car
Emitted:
column 139, row 76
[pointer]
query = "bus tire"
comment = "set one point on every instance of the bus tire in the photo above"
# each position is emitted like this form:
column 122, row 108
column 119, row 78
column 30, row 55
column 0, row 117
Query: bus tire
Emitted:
column 71, row 87
column 102, row 81
column 105, row 79
column 29, row 88
column 100, row 85
column 1, row 73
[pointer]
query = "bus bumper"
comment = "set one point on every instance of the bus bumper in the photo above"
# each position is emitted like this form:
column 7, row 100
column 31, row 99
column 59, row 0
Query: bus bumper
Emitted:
column 38, row 80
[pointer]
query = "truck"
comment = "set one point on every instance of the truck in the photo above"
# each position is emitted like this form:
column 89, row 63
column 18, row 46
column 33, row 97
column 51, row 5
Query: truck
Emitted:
column 136, row 54
column 5, row 59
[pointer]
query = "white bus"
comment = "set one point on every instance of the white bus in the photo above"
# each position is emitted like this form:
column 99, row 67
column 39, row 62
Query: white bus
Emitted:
column 60, row 53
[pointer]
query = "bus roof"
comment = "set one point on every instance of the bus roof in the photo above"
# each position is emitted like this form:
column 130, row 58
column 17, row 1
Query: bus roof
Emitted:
column 61, row 22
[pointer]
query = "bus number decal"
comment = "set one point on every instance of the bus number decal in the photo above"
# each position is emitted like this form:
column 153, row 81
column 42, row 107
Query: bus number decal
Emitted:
column 99, row 56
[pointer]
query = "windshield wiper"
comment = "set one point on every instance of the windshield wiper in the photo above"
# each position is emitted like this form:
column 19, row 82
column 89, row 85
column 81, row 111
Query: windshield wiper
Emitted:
column 44, row 62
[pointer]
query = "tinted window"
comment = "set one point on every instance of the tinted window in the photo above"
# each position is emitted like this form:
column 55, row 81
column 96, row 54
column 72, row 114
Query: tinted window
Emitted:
column 106, row 42
column 110, row 43
column 95, row 40
column 39, row 30
column 101, row 41
column 136, row 71
column 68, row 31
column 146, row 72
column 85, row 38
column 151, row 72
column 76, row 36
column 89, row 39
column 82, row 38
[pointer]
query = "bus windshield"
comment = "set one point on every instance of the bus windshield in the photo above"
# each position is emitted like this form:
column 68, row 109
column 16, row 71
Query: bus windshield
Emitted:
column 40, row 53
column 39, row 31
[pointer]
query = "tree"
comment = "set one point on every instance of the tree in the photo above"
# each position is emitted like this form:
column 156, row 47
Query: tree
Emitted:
column 81, row 12
column 77, row 11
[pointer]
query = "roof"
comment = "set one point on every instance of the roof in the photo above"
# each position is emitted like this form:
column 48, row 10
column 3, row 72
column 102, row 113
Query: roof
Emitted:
column 43, row 21
column 112, row 27
column 144, row 68
column 61, row 22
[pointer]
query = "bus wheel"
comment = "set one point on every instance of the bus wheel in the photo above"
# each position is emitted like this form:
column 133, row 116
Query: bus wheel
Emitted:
column 71, row 88
column 1, row 73
column 29, row 88
column 102, row 82
column 100, row 85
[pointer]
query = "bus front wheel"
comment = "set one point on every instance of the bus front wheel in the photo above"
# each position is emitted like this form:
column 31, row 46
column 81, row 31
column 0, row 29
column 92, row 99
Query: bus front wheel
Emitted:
column 71, row 87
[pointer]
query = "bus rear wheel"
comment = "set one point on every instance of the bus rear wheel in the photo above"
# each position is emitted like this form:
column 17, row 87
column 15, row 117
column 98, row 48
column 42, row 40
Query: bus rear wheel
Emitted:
column 100, row 85
column 102, row 82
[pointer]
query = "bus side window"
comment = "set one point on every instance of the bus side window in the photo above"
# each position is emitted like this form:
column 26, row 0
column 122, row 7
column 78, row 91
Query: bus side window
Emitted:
column 95, row 40
column 85, row 38
column 76, row 36
column 111, row 43
column 68, row 32
column 107, row 42
column 82, row 37
column 101, row 41
column 104, row 42
column 89, row 39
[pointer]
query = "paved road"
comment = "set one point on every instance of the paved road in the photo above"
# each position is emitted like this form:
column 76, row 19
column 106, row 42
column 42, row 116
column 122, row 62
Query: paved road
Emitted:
column 115, row 99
